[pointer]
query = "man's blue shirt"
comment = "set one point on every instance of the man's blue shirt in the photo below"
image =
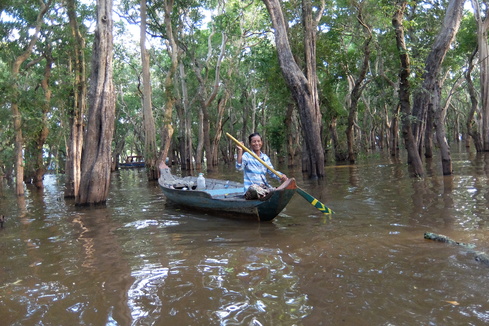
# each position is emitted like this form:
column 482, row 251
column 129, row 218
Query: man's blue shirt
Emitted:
column 254, row 171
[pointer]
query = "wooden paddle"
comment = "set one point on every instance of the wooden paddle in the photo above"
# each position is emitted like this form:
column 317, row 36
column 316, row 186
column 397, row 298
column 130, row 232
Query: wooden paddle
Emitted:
column 313, row 201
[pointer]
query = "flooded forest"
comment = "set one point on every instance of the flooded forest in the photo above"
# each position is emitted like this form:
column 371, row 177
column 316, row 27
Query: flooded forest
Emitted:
column 379, row 109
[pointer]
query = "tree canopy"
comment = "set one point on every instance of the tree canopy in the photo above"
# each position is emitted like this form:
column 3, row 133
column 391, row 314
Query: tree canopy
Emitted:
column 217, row 66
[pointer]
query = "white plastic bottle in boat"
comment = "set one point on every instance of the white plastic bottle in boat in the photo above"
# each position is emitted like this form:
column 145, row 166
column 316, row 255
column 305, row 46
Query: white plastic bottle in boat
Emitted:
column 201, row 182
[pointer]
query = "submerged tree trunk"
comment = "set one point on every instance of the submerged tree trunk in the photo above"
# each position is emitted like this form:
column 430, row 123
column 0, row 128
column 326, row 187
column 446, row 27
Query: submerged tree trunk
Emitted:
column 205, row 100
column 428, row 135
column 43, row 132
column 16, row 114
column 96, row 162
column 473, row 129
column 150, row 151
column 423, row 98
column 221, row 105
column 339, row 154
column 199, row 152
column 75, row 144
column 293, row 138
column 439, row 123
column 405, row 90
column 482, row 29
column 394, row 132
column 357, row 89
column 450, row 28
column 392, row 126
column 185, row 130
column 173, row 51
column 303, row 90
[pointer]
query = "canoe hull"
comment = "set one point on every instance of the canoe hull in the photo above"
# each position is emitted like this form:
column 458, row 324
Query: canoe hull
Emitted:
column 132, row 165
column 230, row 202
column 133, row 161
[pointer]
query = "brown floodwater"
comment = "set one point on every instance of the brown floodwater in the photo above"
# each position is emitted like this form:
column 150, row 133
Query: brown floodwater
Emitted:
column 142, row 261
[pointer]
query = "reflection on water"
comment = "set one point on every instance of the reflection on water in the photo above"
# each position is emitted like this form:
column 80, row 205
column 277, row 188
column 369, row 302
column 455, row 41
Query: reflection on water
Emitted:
column 235, row 286
column 139, row 261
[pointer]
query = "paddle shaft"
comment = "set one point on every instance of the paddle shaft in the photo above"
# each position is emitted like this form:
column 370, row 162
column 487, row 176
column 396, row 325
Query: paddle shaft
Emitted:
column 313, row 201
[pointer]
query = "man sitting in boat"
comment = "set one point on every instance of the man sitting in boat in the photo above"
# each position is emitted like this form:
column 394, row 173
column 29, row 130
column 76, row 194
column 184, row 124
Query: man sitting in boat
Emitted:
column 254, row 172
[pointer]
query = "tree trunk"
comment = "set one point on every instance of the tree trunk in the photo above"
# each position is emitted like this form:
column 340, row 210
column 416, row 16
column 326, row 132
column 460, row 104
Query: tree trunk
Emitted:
column 148, row 119
column 96, row 162
column 404, row 91
column 439, row 116
column 340, row 154
column 185, row 124
column 16, row 114
column 392, row 126
column 293, row 139
column 394, row 132
column 40, row 169
column 75, row 144
column 199, row 153
column 167, row 132
column 302, row 89
column 451, row 25
column 246, row 115
column 204, row 143
column 422, row 99
column 482, row 28
column 310, row 41
column 439, row 123
column 221, row 105
column 357, row 89
column 428, row 135
column 472, row 125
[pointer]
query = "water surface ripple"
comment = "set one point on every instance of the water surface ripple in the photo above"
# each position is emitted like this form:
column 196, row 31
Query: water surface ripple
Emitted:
column 143, row 261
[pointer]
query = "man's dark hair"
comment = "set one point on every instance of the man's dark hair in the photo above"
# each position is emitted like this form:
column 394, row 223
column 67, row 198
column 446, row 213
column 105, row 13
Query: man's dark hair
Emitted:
column 253, row 135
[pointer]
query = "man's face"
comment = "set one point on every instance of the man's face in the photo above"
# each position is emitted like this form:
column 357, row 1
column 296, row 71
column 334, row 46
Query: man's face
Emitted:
column 256, row 143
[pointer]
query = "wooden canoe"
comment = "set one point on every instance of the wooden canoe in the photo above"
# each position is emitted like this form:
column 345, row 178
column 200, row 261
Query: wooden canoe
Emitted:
column 224, row 197
column 135, row 161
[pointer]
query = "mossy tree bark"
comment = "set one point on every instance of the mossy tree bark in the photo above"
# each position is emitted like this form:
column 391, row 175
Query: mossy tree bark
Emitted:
column 303, row 86
column 96, row 158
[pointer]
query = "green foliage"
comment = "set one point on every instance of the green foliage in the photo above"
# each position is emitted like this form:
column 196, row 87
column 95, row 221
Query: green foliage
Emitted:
column 249, row 73
column 276, row 133
column 466, row 37
column 330, row 101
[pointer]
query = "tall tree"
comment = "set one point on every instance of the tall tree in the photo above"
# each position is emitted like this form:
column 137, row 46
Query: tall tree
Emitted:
column 78, row 105
column 423, row 97
column 184, row 118
column 302, row 86
column 472, row 124
column 173, row 51
column 358, row 84
column 16, row 114
column 405, row 90
column 428, row 97
column 482, row 20
column 43, row 131
column 206, row 98
column 148, row 119
column 96, row 160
